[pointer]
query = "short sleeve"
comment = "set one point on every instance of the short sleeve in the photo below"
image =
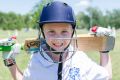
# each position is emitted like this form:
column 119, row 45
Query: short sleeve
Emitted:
column 98, row 72
column 95, row 71
column 90, row 70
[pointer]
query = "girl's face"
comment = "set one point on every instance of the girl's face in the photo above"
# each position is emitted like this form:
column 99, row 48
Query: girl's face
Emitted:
column 58, row 35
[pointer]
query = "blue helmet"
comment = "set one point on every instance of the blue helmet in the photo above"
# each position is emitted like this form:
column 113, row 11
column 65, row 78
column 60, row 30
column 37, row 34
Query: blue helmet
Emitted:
column 57, row 12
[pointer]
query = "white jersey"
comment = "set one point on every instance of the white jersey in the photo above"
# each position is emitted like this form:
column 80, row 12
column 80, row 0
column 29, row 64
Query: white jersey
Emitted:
column 79, row 67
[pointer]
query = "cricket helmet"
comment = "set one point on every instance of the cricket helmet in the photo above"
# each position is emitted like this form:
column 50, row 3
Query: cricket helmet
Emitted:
column 57, row 12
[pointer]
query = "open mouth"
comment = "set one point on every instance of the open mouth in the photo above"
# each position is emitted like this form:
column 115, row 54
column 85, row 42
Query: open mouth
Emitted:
column 58, row 45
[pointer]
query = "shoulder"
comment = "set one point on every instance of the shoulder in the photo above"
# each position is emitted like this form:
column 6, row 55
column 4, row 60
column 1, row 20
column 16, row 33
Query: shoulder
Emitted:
column 34, row 58
column 34, row 61
column 81, row 56
column 82, row 61
column 89, row 68
column 29, row 70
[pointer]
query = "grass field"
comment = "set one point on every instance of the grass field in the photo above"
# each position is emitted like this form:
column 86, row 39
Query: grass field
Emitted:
column 22, row 59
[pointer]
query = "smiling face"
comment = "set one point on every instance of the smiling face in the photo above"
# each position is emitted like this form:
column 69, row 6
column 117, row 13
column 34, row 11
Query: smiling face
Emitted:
column 58, row 35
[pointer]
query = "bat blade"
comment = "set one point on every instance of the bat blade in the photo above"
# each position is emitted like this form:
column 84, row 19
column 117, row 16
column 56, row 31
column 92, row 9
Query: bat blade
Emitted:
column 85, row 42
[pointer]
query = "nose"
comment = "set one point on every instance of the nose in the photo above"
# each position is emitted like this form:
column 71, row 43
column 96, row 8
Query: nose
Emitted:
column 58, row 39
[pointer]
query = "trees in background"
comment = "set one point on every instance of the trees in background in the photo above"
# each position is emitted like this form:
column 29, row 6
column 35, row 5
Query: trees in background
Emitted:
column 114, row 18
column 12, row 21
column 93, row 17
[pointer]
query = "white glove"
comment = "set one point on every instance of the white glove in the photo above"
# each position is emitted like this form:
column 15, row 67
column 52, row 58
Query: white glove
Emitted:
column 101, row 31
column 16, row 48
column 109, row 33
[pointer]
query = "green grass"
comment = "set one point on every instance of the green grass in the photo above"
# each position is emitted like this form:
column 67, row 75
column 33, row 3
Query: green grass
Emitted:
column 23, row 58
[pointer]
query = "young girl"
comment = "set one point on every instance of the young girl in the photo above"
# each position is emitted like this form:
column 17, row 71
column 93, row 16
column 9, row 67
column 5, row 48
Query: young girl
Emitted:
column 57, row 59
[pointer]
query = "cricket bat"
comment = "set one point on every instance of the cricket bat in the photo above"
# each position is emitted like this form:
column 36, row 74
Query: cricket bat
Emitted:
column 85, row 42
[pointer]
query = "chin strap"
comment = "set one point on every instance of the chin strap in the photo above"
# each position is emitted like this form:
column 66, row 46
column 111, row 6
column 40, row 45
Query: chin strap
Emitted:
column 60, row 59
column 51, row 49
column 60, row 68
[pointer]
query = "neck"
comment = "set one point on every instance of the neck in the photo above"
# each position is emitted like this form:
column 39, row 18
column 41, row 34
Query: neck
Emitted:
column 53, row 56
column 51, row 49
column 56, row 57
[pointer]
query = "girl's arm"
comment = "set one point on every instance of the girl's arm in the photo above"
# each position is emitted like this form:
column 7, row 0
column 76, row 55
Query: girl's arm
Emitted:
column 15, row 72
column 105, row 61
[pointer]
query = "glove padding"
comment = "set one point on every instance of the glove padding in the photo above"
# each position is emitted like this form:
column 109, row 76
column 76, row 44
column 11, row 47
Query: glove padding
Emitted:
column 108, row 33
column 16, row 48
column 101, row 31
